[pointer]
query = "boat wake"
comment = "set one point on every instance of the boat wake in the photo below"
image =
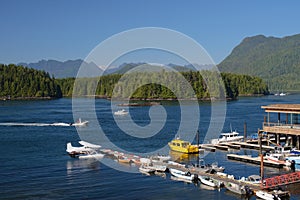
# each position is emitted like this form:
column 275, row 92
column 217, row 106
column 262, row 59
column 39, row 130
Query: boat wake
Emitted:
column 35, row 124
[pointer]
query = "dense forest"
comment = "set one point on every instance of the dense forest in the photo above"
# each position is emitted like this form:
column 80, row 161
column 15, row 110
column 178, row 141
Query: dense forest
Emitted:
column 18, row 82
column 21, row 82
column 117, row 86
column 275, row 60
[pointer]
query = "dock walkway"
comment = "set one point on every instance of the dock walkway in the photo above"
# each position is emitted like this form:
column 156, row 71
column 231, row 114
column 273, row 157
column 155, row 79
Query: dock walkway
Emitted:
column 254, row 160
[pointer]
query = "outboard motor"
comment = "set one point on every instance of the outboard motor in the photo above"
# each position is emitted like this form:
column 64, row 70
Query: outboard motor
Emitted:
column 293, row 164
column 195, row 178
column 248, row 190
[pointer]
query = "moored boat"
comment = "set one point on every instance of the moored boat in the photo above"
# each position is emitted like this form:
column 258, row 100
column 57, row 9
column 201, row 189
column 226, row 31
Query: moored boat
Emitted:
column 237, row 188
column 278, row 158
column 272, row 195
column 124, row 159
column 183, row 146
column 146, row 169
column 252, row 179
column 227, row 137
column 186, row 175
column 210, row 181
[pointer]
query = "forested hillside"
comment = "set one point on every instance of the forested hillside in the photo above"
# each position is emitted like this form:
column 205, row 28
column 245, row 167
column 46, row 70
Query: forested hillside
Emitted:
column 22, row 82
column 236, row 85
column 276, row 60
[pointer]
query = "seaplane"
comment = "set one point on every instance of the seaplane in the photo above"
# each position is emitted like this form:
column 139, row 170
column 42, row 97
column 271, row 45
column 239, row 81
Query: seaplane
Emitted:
column 86, row 148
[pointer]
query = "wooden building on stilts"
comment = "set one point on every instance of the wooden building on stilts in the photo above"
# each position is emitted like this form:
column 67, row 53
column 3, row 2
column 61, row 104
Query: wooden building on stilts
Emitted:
column 283, row 121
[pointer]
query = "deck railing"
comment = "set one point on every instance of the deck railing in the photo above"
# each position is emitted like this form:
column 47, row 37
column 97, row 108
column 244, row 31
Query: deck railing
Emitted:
column 284, row 128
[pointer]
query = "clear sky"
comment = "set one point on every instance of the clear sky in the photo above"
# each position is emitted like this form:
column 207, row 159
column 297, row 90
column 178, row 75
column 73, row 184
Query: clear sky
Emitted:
column 32, row 30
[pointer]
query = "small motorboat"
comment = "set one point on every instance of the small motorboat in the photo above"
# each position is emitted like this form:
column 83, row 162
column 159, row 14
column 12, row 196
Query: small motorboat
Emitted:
column 146, row 169
column 183, row 146
column 237, row 188
column 160, row 158
column 124, row 159
column 79, row 123
column 272, row 195
column 121, row 112
column 278, row 158
column 252, row 179
column 206, row 180
column 185, row 175
column 216, row 167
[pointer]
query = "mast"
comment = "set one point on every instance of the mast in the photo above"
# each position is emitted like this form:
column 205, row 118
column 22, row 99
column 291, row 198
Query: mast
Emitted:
column 261, row 159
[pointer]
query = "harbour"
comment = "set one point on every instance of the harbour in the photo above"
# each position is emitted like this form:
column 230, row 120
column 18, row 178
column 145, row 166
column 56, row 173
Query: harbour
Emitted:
column 43, row 162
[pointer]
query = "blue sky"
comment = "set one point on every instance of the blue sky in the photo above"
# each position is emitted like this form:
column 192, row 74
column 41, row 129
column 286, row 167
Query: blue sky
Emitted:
column 32, row 30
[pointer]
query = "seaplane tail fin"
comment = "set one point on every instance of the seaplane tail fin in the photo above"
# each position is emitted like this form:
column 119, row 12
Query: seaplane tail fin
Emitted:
column 69, row 147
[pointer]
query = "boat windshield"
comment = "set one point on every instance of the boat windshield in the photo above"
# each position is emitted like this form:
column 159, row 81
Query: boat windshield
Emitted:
column 185, row 144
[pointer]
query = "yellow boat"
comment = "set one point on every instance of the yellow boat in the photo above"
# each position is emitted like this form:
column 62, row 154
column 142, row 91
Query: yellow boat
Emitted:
column 183, row 146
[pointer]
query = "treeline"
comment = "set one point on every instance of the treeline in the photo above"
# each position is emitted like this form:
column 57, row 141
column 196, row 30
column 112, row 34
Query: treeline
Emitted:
column 165, row 85
column 22, row 82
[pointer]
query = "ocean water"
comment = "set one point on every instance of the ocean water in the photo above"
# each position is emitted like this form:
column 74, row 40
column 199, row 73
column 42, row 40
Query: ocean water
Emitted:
column 34, row 163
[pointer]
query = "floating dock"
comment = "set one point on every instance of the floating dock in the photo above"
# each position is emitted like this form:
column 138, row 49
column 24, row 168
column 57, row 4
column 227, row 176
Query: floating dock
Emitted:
column 254, row 160
column 247, row 145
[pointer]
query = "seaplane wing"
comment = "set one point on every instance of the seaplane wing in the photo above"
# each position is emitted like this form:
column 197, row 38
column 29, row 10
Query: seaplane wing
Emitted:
column 89, row 145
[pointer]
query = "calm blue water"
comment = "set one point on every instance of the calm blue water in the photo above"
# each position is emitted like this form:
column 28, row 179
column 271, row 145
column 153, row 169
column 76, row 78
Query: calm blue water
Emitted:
column 34, row 163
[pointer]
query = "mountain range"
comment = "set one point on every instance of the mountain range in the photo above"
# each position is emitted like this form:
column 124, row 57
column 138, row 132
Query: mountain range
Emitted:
column 276, row 60
column 70, row 68
column 65, row 69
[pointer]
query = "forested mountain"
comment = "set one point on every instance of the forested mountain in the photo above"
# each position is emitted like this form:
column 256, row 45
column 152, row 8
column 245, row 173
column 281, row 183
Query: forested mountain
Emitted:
column 235, row 85
column 64, row 69
column 276, row 60
column 23, row 82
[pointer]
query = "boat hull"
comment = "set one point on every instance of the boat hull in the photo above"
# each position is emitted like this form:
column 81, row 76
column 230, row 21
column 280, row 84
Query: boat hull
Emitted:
column 182, row 175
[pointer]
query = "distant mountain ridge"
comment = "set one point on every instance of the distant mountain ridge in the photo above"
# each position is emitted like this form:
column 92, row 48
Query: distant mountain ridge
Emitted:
column 70, row 68
column 63, row 69
column 276, row 60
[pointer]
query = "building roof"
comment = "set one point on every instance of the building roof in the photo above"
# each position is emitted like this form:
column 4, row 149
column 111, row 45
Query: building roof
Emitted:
column 282, row 108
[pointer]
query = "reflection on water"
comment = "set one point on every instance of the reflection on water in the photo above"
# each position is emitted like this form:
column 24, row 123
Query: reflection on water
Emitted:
column 184, row 157
column 78, row 165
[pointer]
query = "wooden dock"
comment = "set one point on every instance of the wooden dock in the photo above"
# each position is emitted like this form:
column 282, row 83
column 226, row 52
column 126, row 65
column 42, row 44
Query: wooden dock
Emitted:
column 247, row 145
column 234, row 145
column 254, row 160
column 207, row 147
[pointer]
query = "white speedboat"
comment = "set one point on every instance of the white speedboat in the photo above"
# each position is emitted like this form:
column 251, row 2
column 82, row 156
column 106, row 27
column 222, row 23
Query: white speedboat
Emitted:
column 146, row 169
column 278, row 158
column 206, row 180
column 185, row 175
column 121, row 112
column 252, row 179
column 237, row 188
column 228, row 137
column 79, row 123
column 272, row 195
